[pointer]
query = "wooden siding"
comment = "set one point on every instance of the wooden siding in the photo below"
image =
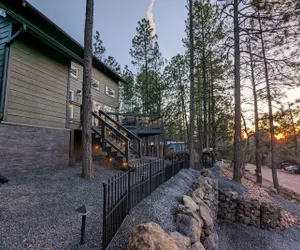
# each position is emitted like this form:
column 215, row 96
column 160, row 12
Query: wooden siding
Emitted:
column 37, row 85
column 97, row 95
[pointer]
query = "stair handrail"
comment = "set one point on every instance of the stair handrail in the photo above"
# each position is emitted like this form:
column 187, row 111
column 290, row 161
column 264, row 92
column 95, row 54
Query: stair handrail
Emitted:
column 110, row 143
column 111, row 127
column 127, row 140
column 119, row 125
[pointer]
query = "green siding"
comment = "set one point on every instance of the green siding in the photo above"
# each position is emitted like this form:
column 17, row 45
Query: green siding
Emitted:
column 5, row 34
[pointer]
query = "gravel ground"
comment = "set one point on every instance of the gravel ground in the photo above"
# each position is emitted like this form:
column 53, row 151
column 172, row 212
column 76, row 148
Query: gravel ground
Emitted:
column 159, row 207
column 292, row 207
column 234, row 236
column 37, row 209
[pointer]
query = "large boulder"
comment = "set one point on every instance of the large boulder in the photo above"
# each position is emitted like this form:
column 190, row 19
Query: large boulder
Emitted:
column 193, row 213
column 189, row 203
column 151, row 236
column 198, row 246
column 206, row 216
column 189, row 226
column 211, row 242
column 183, row 242
column 198, row 195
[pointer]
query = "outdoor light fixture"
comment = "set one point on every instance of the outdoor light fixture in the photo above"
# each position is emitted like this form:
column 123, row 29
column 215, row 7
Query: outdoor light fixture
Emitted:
column 123, row 143
column 124, row 164
column 125, row 133
column 97, row 146
column 83, row 213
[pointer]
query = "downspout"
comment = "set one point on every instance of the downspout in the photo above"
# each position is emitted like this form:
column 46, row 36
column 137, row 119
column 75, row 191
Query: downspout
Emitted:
column 5, row 69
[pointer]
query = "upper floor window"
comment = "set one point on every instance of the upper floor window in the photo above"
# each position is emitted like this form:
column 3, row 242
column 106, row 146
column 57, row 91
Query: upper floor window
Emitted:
column 95, row 84
column 110, row 92
column 71, row 95
column 74, row 72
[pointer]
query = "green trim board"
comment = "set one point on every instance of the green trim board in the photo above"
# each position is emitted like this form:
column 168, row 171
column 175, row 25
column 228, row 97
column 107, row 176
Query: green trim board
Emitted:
column 6, row 32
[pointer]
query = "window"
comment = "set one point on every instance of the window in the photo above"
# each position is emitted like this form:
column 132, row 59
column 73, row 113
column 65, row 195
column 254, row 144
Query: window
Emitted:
column 95, row 84
column 110, row 92
column 74, row 72
column 71, row 95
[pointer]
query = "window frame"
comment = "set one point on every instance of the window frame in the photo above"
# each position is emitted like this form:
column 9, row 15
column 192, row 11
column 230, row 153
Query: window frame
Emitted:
column 95, row 80
column 106, row 92
column 72, row 75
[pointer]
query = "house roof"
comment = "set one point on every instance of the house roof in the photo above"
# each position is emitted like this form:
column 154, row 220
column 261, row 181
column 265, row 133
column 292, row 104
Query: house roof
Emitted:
column 48, row 32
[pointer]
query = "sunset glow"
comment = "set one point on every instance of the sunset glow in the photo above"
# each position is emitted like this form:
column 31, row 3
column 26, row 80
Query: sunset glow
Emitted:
column 280, row 136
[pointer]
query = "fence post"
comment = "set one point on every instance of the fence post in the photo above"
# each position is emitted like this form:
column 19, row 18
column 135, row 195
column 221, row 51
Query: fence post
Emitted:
column 143, row 179
column 150, row 175
column 129, row 190
column 104, row 216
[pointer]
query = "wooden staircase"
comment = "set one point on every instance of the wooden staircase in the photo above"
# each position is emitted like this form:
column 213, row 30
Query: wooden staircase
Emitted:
column 117, row 141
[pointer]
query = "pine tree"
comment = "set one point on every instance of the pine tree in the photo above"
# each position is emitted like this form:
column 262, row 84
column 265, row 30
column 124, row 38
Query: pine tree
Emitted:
column 87, row 160
column 99, row 49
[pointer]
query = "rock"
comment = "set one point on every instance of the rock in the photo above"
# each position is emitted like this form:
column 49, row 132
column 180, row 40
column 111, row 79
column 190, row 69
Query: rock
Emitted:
column 206, row 216
column 199, row 182
column 197, row 246
column 273, row 190
column 182, row 242
column 189, row 203
column 189, row 226
column 151, row 236
column 209, row 181
column 211, row 242
column 198, row 195
column 195, row 214
column 207, row 173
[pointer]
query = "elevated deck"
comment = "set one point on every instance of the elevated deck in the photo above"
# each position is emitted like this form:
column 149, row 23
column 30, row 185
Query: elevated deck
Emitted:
column 142, row 125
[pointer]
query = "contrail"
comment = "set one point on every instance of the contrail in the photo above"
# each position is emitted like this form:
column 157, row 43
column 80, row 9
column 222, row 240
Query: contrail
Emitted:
column 151, row 18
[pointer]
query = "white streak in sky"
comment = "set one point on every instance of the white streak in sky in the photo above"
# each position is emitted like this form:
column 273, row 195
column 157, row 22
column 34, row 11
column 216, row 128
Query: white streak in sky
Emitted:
column 151, row 18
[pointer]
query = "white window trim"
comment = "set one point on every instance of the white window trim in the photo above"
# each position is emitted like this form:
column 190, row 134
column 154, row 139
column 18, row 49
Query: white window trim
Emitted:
column 72, row 95
column 94, row 80
column 106, row 92
column 73, row 75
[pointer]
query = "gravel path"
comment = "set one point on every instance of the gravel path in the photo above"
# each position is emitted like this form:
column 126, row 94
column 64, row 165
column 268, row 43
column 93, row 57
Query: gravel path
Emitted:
column 37, row 209
column 159, row 207
column 234, row 236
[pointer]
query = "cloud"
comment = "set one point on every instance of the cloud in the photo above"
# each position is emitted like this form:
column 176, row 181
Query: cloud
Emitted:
column 151, row 18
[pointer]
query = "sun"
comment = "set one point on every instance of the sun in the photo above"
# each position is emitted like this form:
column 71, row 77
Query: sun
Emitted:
column 280, row 137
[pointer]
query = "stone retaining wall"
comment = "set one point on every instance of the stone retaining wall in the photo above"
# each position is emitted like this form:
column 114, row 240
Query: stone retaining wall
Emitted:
column 32, row 147
column 234, row 207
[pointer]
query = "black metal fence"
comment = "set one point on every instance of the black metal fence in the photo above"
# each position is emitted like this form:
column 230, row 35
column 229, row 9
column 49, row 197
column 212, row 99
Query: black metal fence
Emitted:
column 124, row 191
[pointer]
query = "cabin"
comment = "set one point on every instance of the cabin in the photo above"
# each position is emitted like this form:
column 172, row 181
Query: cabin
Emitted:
column 41, row 71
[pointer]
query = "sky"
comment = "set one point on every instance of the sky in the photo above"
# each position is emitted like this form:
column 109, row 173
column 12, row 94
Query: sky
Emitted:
column 116, row 20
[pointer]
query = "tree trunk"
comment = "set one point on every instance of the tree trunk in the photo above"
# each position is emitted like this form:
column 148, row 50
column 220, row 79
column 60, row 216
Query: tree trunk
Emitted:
column 87, row 160
column 271, row 118
column 237, row 97
column 204, row 94
column 213, row 119
column 294, row 132
column 257, row 141
column 192, row 88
